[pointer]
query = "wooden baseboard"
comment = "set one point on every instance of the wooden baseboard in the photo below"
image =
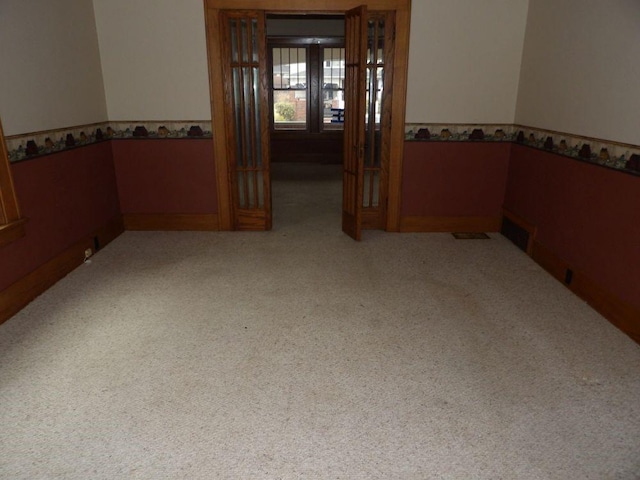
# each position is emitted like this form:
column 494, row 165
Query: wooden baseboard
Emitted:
column 176, row 221
column 450, row 224
column 620, row 313
column 18, row 295
column 12, row 231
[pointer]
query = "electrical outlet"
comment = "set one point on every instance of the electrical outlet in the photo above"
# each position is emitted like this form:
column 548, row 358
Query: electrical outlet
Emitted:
column 87, row 253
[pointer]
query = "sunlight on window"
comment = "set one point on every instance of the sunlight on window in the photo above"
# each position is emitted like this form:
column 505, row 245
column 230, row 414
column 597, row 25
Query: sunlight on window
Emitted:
column 290, row 88
column 333, row 71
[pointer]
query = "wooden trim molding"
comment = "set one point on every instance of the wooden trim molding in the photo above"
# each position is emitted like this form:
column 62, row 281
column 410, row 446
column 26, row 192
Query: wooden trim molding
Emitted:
column 18, row 295
column 620, row 313
column 450, row 224
column 171, row 222
column 306, row 6
column 11, row 221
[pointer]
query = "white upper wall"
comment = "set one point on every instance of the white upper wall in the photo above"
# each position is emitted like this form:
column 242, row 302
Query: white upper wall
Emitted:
column 464, row 60
column 154, row 59
column 50, row 75
column 578, row 74
column 581, row 68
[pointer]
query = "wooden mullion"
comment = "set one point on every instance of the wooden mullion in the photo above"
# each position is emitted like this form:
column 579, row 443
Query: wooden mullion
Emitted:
column 9, row 210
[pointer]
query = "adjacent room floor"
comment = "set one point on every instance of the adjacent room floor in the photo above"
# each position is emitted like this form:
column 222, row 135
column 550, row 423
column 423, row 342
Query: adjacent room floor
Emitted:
column 299, row 353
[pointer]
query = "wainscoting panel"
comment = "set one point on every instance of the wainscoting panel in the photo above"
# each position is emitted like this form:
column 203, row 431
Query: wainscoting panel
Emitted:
column 20, row 293
column 64, row 196
column 168, row 176
column 456, row 179
column 587, row 221
column 620, row 313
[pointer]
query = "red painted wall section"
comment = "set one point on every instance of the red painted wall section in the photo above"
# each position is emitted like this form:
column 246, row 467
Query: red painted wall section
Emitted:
column 587, row 215
column 454, row 179
column 65, row 197
column 166, row 176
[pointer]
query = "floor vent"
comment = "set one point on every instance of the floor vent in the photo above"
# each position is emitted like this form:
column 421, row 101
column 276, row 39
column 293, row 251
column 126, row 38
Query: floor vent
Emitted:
column 470, row 236
column 516, row 233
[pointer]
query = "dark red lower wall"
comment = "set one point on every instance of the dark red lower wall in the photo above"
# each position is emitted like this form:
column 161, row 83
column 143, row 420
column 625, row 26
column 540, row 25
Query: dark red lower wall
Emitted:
column 65, row 196
column 166, row 176
column 589, row 216
column 454, row 179
column 325, row 147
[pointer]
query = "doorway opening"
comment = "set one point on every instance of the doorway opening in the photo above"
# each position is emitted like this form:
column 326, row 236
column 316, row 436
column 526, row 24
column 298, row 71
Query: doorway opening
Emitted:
column 244, row 85
column 307, row 74
column 305, row 60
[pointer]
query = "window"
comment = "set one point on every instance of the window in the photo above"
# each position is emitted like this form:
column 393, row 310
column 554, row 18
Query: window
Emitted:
column 307, row 83
column 289, row 87
column 333, row 87
column 11, row 225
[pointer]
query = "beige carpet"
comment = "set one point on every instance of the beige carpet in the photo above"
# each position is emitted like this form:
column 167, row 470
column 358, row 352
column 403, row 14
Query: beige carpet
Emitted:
column 299, row 353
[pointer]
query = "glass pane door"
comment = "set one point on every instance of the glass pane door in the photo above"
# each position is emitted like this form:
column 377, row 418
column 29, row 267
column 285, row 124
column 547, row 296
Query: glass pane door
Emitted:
column 379, row 70
column 246, row 109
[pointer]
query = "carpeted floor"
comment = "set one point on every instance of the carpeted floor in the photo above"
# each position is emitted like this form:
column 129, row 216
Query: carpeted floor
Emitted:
column 299, row 353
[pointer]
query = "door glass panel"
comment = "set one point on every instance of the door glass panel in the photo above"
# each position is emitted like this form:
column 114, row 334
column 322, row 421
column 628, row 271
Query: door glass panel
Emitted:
column 251, row 199
column 254, row 41
column 237, row 101
column 246, row 106
column 260, row 188
column 240, row 180
column 244, row 43
column 233, row 28
column 248, row 118
column 256, row 114
column 374, row 96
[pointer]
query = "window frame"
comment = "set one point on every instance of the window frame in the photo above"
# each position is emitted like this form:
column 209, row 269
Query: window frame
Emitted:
column 315, row 61
column 289, row 43
column 11, row 221
column 330, row 127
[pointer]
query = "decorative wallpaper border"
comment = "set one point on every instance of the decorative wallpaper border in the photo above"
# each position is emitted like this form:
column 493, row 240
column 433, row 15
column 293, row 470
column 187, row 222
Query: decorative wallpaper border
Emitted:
column 615, row 155
column 32, row 145
column 460, row 132
column 618, row 156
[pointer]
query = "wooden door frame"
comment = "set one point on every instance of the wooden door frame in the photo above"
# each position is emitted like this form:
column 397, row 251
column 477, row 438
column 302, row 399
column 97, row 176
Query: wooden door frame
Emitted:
column 402, row 9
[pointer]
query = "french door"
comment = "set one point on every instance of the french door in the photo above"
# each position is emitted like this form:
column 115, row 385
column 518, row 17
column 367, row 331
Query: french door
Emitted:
column 374, row 127
column 354, row 121
column 246, row 108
